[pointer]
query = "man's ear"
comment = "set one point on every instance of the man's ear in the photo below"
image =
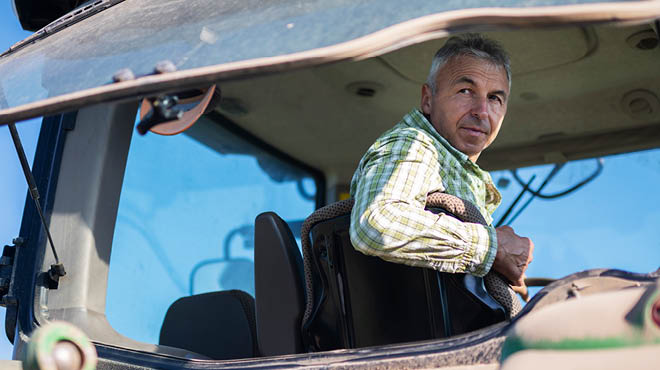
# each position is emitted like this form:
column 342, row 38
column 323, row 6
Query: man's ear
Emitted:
column 427, row 96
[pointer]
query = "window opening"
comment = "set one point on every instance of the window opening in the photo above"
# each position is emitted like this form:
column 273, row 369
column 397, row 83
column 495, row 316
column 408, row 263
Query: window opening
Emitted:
column 609, row 222
column 185, row 221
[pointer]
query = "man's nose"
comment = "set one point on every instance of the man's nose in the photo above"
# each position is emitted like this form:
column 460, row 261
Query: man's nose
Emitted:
column 480, row 108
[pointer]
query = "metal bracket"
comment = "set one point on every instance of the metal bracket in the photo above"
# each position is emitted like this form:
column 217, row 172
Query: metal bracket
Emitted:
column 54, row 273
column 163, row 110
column 6, row 267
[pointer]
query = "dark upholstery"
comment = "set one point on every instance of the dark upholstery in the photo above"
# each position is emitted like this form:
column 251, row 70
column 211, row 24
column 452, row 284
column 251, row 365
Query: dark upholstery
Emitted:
column 279, row 286
column 364, row 301
column 220, row 325
column 359, row 300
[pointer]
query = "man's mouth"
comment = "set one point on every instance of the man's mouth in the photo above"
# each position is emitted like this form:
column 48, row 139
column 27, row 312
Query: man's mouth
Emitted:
column 474, row 131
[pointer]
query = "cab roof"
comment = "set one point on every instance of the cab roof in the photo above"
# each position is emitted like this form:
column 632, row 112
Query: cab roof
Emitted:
column 309, row 77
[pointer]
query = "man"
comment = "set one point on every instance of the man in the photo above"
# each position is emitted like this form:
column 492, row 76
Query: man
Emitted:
column 435, row 149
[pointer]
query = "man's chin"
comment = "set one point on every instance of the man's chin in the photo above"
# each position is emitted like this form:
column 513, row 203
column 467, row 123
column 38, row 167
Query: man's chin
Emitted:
column 470, row 150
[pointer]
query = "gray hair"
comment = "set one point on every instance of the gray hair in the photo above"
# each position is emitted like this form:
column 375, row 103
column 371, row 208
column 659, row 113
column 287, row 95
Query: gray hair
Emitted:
column 469, row 44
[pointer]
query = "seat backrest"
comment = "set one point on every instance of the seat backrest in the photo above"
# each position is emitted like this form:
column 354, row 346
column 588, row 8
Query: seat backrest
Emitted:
column 279, row 286
column 362, row 300
column 355, row 300
column 220, row 325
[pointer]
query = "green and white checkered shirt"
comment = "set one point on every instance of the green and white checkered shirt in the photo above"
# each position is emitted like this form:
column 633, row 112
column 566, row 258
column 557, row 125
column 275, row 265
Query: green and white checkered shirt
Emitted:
column 390, row 187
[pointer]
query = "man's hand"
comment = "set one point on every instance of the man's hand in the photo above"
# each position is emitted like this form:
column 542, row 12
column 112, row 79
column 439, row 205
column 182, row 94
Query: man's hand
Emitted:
column 522, row 290
column 514, row 253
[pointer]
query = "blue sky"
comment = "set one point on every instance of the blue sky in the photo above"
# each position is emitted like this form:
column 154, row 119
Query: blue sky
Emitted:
column 591, row 228
column 12, row 183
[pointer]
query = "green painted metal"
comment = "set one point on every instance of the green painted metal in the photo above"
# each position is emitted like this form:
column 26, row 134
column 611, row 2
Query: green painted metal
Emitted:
column 643, row 331
column 40, row 350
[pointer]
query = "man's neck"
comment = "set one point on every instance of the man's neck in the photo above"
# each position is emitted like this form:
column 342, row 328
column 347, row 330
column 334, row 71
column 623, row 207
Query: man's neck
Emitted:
column 472, row 158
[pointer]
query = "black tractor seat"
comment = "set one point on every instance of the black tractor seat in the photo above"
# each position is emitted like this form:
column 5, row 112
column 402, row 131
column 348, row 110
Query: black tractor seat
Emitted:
column 355, row 300
column 220, row 325
column 346, row 299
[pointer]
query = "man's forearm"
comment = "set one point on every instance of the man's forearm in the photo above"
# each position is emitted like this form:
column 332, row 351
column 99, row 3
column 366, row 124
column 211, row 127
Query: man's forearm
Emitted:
column 403, row 233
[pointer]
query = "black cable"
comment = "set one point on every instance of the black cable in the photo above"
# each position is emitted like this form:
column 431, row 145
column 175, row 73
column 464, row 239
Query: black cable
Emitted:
column 537, row 193
column 552, row 174
column 522, row 192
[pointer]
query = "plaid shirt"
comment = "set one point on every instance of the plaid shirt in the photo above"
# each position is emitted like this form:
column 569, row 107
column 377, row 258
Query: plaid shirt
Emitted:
column 390, row 187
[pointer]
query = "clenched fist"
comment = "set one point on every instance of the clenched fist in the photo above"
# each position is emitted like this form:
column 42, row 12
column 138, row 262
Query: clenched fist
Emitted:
column 514, row 253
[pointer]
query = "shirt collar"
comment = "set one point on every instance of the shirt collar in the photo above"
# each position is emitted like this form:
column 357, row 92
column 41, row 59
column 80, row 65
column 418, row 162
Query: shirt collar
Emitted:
column 417, row 119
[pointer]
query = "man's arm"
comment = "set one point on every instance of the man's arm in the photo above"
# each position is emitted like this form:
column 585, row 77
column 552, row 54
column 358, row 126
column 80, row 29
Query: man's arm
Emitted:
column 389, row 220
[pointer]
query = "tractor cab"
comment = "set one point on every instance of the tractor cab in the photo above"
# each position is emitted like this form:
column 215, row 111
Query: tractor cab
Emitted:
column 193, row 171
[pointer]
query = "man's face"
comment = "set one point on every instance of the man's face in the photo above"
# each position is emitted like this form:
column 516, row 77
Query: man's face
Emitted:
column 469, row 103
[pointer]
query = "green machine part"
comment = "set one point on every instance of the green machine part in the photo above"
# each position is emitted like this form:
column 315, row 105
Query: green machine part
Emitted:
column 627, row 318
column 59, row 345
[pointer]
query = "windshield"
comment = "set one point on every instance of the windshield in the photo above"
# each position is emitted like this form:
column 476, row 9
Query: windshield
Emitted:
column 138, row 34
column 175, row 236
column 185, row 223
column 610, row 222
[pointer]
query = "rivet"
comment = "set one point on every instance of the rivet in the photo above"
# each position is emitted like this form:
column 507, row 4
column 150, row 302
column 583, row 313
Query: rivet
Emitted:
column 124, row 74
column 164, row 66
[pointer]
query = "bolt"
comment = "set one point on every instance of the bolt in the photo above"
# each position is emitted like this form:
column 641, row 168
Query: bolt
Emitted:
column 67, row 356
column 124, row 74
column 164, row 66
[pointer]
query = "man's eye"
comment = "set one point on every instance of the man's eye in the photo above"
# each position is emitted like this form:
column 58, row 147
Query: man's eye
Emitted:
column 464, row 91
column 496, row 98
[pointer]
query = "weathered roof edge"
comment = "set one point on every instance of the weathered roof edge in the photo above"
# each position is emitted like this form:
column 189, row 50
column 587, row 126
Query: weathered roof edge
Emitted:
column 83, row 12
column 378, row 43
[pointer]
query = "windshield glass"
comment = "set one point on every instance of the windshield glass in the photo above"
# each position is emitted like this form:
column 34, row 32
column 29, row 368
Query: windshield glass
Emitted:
column 610, row 222
column 138, row 34
column 185, row 223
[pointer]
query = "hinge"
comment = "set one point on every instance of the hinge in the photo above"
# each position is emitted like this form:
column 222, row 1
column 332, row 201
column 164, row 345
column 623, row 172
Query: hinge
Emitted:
column 6, row 267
